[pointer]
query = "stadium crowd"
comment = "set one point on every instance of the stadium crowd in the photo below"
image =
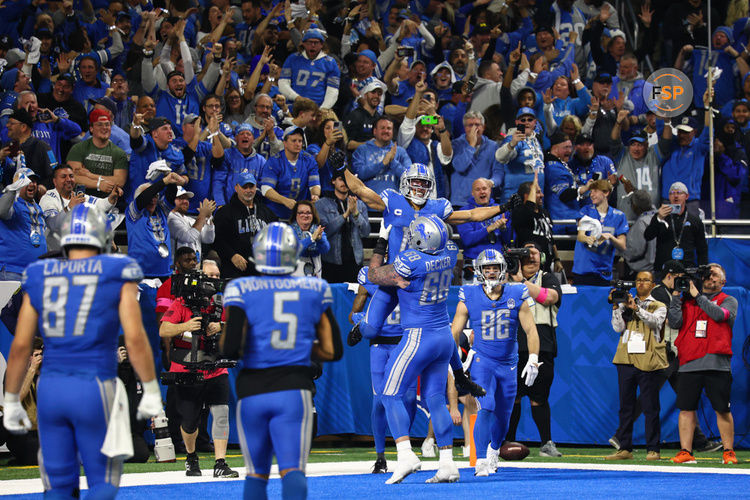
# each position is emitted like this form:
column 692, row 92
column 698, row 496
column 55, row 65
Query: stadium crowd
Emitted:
column 194, row 125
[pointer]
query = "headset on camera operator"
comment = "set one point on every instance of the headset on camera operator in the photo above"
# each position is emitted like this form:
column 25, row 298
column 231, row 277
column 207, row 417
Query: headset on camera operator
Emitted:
column 198, row 379
column 705, row 321
column 544, row 288
column 639, row 358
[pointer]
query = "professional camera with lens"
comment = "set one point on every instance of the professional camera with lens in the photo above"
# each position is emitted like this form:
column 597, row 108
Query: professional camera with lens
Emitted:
column 202, row 295
column 621, row 291
column 513, row 258
column 695, row 274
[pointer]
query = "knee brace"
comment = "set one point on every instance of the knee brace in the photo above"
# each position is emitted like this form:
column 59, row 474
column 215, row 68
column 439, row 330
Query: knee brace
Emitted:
column 220, row 426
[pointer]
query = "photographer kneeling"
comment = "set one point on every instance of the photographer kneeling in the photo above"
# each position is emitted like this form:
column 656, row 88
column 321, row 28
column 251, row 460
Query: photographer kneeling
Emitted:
column 641, row 354
column 179, row 324
column 704, row 350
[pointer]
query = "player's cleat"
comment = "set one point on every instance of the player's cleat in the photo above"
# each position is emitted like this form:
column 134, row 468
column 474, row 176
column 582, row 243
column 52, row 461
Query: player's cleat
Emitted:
column 354, row 336
column 380, row 467
column 653, row 455
column 492, row 458
column 406, row 465
column 710, row 446
column 192, row 465
column 221, row 469
column 483, row 468
column 620, row 455
column 446, row 473
column 464, row 384
column 428, row 448
column 549, row 450
column 614, row 442
column 684, row 457
column 729, row 457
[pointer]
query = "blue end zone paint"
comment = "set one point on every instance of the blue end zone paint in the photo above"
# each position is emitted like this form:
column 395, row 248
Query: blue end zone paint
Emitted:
column 506, row 483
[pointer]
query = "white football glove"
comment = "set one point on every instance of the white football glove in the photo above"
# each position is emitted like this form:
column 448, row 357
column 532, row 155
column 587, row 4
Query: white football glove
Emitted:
column 15, row 418
column 531, row 370
column 385, row 230
column 150, row 405
column 156, row 169
column 22, row 182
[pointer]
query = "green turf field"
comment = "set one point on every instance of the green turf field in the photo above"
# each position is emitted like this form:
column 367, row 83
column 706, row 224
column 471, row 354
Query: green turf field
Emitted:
column 234, row 459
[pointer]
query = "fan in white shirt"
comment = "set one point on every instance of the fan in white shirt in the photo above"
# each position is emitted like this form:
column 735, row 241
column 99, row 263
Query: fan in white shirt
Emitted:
column 189, row 231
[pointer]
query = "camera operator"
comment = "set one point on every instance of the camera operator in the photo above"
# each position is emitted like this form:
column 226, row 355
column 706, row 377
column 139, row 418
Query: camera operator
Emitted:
column 212, row 391
column 663, row 293
column 704, row 342
column 639, row 358
column 544, row 288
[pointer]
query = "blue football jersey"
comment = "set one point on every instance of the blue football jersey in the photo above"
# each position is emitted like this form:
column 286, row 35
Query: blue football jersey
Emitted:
column 78, row 305
column 424, row 302
column 601, row 258
column 392, row 325
column 281, row 314
column 399, row 214
column 495, row 322
column 311, row 78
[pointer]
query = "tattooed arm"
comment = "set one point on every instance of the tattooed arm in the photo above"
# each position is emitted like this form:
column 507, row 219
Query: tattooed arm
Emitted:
column 384, row 275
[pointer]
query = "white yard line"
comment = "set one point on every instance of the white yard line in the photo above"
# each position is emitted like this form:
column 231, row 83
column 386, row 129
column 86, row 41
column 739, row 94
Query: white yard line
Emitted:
column 22, row 486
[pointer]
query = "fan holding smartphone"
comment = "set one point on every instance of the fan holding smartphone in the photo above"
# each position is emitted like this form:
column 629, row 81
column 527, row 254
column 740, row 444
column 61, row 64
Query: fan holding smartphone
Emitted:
column 521, row 154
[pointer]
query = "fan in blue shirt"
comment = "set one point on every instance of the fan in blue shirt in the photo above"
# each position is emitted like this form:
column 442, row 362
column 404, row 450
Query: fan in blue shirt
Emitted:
column 242, row 157
column 157, row 145
column 290, row 176
column 595, row 246
column 311, row 74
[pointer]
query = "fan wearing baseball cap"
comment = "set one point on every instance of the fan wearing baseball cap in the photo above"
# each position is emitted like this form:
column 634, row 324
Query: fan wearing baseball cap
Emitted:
column 97, row 162
column 322, row 85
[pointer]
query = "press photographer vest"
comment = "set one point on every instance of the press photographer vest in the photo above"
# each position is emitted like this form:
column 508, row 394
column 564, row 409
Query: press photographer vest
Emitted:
column 543, row 315
column 718, row 339
column 655, row 357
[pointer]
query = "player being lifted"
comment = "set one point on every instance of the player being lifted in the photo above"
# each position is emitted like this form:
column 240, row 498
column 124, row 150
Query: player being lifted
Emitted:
column 78, row 305
column 399, row 210
column 423, row 275
column 495, row 309
column 275, row 322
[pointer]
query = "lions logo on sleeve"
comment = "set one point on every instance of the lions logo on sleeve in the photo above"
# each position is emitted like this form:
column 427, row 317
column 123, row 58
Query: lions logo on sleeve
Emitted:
column 327, row 295
column 232, row 295
column 403, row 265
column 132, row 272
column 362, row 276
column 461, row 295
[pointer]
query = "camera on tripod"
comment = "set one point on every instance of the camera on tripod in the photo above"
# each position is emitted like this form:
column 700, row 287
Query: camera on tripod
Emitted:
column 202, row 295
column 695, row 274
column 621, row 291
column 513, row 257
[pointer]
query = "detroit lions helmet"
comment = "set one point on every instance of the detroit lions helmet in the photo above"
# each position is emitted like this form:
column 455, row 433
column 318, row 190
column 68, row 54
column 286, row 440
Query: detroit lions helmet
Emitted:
column 275, row 249
column 85, row 225
column 417, row 183
column 490, row 257
column 428, row 234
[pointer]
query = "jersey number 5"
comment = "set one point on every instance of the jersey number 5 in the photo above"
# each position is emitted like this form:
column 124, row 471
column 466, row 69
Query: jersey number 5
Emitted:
column 55, row 300
column 283, row 318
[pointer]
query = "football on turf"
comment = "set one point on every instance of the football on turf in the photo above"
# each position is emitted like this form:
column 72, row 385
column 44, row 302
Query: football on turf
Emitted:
column 513, row 451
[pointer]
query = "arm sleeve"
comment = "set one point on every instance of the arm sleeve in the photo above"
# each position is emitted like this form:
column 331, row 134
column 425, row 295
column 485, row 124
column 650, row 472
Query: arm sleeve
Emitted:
column 6, row 204
column 332, row 95
column 655, row 319
column 674, row 314
column 208, row 233
column 234, row 336
column 187, row 61
column 618, row 324
column 463, row 156
column 727, row 311
column 181, row 230
column 338, row 346
column 147, row 195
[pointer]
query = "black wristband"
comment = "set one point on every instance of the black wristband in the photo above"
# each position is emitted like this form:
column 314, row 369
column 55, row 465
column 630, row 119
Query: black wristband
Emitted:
column 380, row 247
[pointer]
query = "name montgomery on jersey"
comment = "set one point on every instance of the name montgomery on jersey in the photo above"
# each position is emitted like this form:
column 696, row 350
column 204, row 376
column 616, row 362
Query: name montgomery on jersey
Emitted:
column 273, row 284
